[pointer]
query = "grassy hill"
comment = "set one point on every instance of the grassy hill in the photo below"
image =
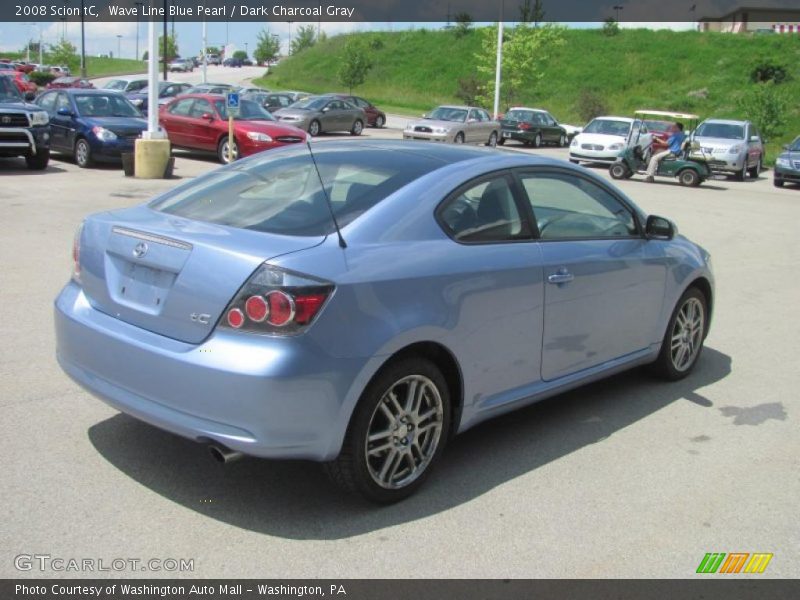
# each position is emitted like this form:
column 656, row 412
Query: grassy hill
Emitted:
column 416, row 70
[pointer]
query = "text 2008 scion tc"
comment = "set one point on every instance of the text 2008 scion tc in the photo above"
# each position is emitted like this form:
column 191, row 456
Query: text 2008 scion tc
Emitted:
column 466, row 283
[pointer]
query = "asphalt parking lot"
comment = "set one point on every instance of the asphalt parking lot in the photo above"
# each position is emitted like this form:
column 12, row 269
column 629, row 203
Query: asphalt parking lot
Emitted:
column 629, row 477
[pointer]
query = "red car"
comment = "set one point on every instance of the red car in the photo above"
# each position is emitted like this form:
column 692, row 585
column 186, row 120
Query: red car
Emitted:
column 70, row 82
column 200, row 122
column 22, row 81
column 25, row 67
column 660, row 131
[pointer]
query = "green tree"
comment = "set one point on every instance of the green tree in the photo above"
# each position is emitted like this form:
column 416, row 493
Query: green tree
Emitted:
column 64, row 53
column 213, row 50
column 610, row 27
column 463, row 23
column 172, row 47
column 305, row 38
column 240, row 54
column 531, row 13
column 267, row 47
column 355, row 64
column 766, row 106
column 526, row 50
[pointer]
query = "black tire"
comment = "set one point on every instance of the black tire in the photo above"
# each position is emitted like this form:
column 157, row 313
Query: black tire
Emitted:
column 742, row 175
column 379, row 121
column 222, row 150
column 459, row 139
column 83, row 154
column 492, row 140
column 537, row 141
column 689, row 178
column 357, row 128
column 619, row 170
column 39, row 161
column 574, row 161
column 665, row 365
column 562, row 141
column 778, row 182
column 355, row 467
column 756, row 171
column 501, row 141
column 314, row 128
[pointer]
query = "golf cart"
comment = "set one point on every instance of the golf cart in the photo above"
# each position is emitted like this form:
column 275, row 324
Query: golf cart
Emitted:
column 690, row 169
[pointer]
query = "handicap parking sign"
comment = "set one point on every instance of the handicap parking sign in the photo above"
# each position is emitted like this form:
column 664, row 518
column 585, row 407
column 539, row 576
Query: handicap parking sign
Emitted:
column 232, row 102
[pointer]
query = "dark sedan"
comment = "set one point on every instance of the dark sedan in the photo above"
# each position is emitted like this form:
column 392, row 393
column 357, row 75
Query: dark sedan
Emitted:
column 270, row 100
column 91, row 125
column 532, row 127
column 787, row 165
column 167, row 90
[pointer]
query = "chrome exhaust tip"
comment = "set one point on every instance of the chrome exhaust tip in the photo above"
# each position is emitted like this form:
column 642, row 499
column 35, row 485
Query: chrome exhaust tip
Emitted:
column 222, row 454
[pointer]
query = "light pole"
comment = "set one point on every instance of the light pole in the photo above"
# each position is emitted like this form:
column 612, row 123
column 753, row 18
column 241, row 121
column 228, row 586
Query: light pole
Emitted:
column 139, row 6
column 499, row 63
column 83, row 41
column 245, row 49
column 119, row 39
column 289, row 49
column 617, row 8
column 205, row 52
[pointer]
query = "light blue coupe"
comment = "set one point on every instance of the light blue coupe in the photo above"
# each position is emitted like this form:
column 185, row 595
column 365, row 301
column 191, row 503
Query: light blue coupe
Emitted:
column 362, row 323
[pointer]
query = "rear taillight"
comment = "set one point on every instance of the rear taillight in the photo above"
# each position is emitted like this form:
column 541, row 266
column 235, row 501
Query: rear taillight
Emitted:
column 276, row 301
column 524, row 126
column 76, row 255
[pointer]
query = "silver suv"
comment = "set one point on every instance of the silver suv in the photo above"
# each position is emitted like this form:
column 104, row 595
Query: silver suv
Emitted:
column 731, row 146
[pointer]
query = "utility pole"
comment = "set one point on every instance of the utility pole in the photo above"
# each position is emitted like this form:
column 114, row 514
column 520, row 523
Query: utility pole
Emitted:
column 164, row 57
column 205, row 52
column 499, row 64
column 618, row 8
column 139, row 6
column 83, row 40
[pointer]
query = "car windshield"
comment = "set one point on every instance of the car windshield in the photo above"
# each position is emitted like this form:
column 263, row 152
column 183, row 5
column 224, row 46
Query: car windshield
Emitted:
column 248, row 111
column 658, row 126
column 446, row 113
column 105, row 105
column 116, row 84
column 8, row 91
column 280, row 191
column 313, row 103
column 728, row 131
column 608, row 127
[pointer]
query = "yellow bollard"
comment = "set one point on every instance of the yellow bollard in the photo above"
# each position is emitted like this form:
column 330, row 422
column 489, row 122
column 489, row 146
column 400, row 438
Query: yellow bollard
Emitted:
column 151, row 158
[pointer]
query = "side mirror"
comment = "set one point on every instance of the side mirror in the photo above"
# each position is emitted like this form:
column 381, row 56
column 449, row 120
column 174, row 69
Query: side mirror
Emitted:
column 755, row 138
column 326, row 109
column 30, row 96
column 64, row 112
column 659, row 228
column 207, row 116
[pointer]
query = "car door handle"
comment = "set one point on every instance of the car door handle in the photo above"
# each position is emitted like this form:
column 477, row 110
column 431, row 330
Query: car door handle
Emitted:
column 561, row 276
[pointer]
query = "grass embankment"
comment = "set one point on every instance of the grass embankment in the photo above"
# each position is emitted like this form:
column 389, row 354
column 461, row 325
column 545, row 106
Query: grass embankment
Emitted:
column 416, row 70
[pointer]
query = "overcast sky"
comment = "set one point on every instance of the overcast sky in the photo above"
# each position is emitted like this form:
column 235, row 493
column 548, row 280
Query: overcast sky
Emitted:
column 101, row 38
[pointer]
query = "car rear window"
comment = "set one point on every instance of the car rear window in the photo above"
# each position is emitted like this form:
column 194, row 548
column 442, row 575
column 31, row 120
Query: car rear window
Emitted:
column 280, row 192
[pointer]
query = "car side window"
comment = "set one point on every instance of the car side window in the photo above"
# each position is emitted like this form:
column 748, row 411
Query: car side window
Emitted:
column 754, row 131
column 550, row 120
column 483, row 212
column 473, row 115
column 201, row 107
column 48, row 102
column 182, row 107
column 137, row 85
column 484, row 115
column 569, row 207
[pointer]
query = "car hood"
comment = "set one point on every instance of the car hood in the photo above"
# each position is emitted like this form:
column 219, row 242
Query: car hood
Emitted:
column 711, row 142
column 118, row 124
column 599, row 138
column 793, row 155
column 271, row 128
column 18, row 105
column 302, row 114
column 436, row 123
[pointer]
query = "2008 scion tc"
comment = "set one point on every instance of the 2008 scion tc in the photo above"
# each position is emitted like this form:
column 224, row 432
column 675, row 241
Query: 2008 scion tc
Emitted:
column 465, row 283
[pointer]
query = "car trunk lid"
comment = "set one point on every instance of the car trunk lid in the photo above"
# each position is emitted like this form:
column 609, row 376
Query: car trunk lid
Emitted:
column 171, row 275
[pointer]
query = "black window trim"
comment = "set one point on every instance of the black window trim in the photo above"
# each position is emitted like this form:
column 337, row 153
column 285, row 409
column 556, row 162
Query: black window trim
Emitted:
column 517, row 173
column 527, row 234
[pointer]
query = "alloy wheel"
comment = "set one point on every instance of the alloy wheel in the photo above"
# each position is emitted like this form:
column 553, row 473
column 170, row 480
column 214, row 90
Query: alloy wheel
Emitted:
column 404, row 432
column 687, row 334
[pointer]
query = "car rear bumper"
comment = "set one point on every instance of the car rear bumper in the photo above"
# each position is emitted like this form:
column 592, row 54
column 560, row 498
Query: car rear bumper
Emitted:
column 264, row 396
column 112, row 151
column 514, row 134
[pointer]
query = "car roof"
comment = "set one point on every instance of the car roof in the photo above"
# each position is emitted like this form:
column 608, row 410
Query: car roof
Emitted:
column 92, row 92
column 539, row 110
column 459, row 106
column 613, row 118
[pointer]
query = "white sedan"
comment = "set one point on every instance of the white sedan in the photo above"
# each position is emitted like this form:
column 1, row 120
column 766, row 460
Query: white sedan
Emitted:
column 604, row 138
